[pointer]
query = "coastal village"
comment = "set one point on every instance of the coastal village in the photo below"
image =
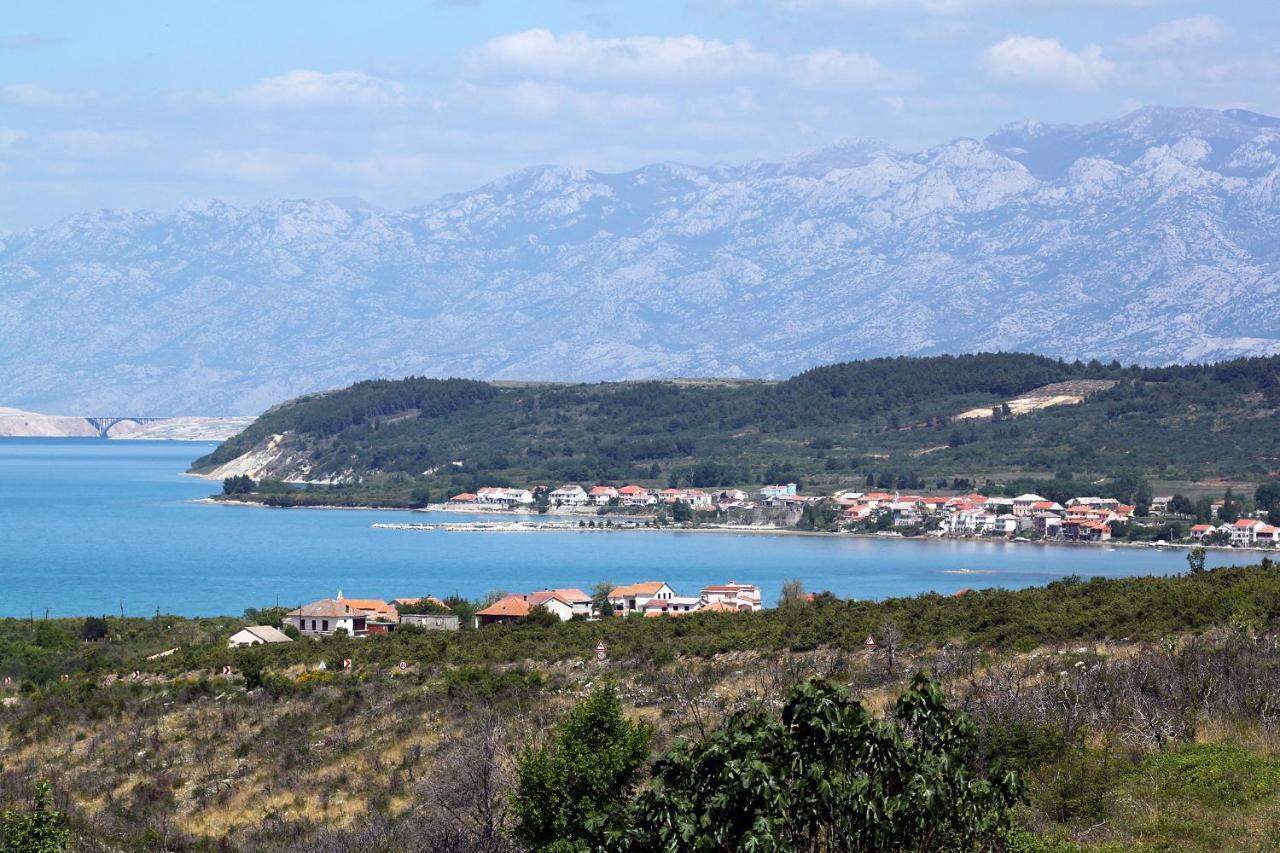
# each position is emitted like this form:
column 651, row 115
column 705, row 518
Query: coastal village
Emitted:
column 361, row 617
column 1026, row 516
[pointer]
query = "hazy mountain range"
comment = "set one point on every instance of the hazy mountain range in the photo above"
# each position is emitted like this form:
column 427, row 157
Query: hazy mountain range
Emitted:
column 1151, row 238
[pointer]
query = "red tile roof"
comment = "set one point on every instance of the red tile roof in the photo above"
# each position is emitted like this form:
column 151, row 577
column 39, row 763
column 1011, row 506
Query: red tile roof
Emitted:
column 644, row 588
column 511, row 605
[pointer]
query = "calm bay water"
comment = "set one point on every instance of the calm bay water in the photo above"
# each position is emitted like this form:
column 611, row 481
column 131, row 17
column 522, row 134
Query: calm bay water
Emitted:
column 88, row 525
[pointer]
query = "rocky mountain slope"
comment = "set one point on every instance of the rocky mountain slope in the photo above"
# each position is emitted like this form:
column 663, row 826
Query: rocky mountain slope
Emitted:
column 1149, row 238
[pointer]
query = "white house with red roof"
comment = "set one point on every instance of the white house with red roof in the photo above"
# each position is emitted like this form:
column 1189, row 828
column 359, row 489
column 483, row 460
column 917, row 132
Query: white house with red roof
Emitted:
column 732, row 596
column 633, row 598
column 498, row 496
column 601, row 495
column 569, row 494
column 1245, row 530
column 636, row 496
column 1202, row 531
column 1022, row 504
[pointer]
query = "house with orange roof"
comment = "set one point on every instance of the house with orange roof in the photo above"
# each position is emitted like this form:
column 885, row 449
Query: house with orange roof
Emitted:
column 1085, row 530
column 563, row 603
column 1266, row 535
column 857, row 513
column 380, row 616
column 402, row 602
column 1022, row 504
column 733, row 595
column 636, row 496
column 633, row 598
column 1245, row 530
column 463, row 499
column 1202, row 531
column 601, row 495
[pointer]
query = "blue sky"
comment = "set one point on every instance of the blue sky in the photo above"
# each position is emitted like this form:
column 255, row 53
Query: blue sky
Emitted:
column 151, row 104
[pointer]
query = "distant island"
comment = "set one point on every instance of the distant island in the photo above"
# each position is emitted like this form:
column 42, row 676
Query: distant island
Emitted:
column 16, row 423
column 999, row 423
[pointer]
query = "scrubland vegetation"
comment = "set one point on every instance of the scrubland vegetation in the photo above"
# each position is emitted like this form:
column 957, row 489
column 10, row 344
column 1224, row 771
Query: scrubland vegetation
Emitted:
column 1139, row 713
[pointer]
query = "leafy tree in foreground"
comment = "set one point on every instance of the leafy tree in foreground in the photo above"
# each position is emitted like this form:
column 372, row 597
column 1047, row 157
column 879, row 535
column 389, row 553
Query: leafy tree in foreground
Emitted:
column 826, row 776
column 41, row 830
column 574, row 790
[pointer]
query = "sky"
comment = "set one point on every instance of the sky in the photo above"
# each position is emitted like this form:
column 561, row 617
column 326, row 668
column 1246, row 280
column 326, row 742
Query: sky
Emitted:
column 157, row 104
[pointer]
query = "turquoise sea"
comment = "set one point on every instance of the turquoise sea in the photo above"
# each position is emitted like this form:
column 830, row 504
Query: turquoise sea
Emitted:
column 89, row 526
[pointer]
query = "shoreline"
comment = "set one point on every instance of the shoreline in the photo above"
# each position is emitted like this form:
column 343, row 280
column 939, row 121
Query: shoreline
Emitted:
column 524, row 516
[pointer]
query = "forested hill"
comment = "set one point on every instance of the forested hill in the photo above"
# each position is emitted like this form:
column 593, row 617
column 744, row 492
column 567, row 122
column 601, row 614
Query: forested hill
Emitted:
column 945, row 416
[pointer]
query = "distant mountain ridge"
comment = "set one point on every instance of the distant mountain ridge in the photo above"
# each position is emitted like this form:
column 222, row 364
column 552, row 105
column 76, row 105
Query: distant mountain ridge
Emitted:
column 1150, row 238
column 15, row 423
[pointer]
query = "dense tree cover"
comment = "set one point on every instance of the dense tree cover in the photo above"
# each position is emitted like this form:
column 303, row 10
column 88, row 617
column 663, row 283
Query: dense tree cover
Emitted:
column 1267, row 499
column 834, row 425
column 238, row 485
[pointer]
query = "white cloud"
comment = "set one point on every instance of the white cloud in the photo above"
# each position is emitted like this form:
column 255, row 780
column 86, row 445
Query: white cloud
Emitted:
column 541, row 53
column 1039, row 60
column 31, row 95
column 829, row 68
column 536, row 99
column 1179, row 33
column 98, row 143
column 11, row 135
column 302, row 88
column 257, row 164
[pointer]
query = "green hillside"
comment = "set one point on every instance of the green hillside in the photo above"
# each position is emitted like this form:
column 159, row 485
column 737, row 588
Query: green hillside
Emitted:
column 830, row 426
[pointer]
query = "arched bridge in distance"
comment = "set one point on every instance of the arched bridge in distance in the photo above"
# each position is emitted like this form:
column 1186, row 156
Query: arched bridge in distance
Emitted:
column 104, row 424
